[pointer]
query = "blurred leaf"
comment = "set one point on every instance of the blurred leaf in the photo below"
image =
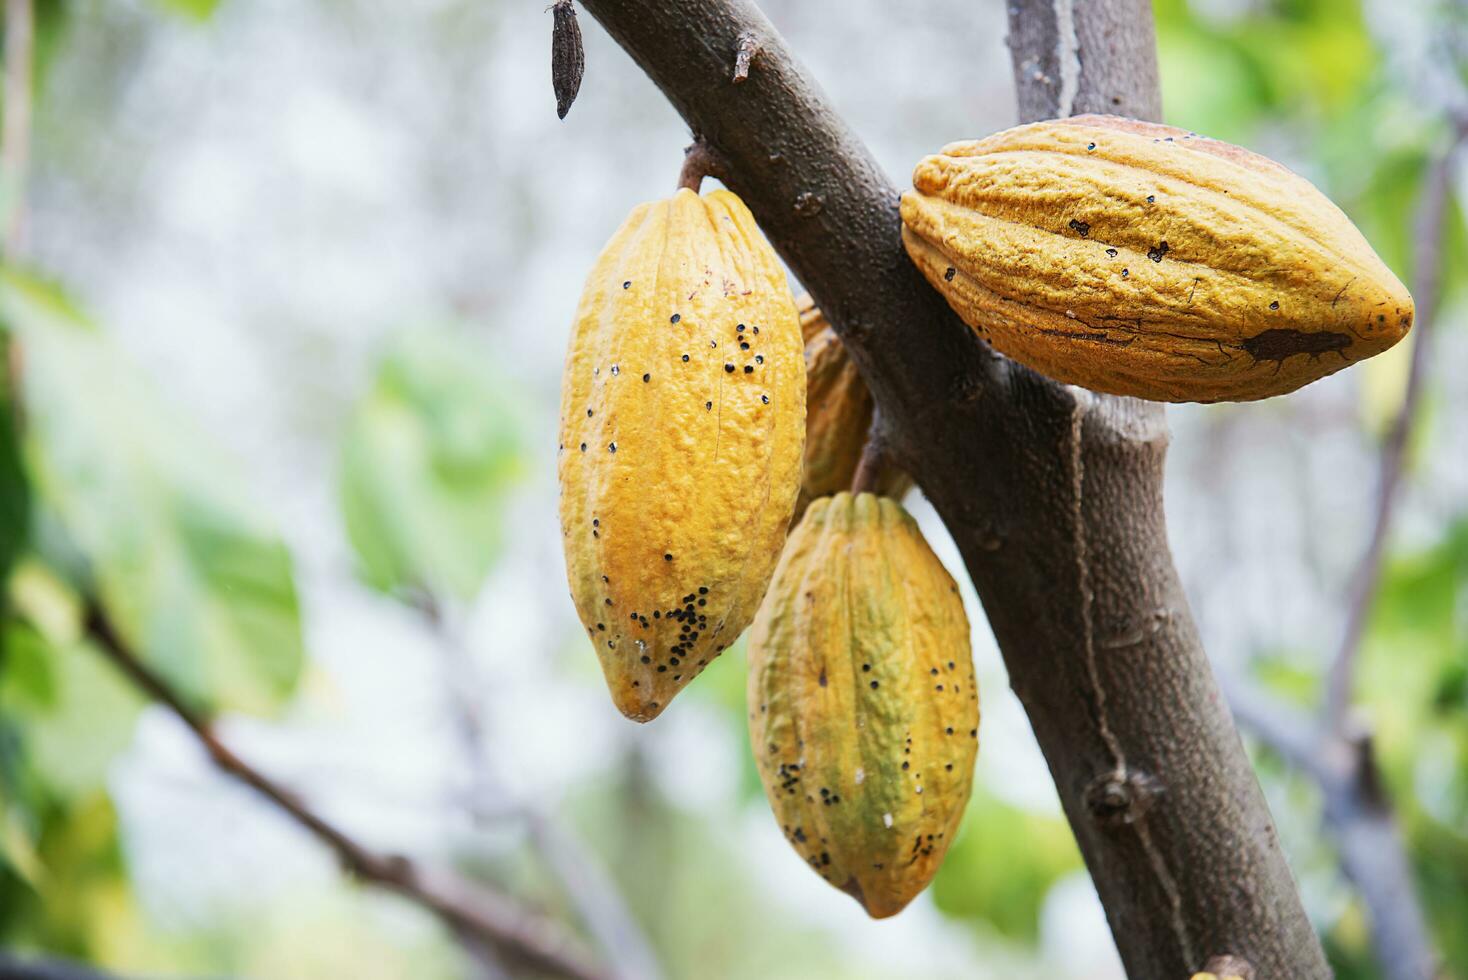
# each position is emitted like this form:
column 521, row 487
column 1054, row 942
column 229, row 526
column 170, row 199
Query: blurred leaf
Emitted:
column 82, row 864
column 17, row 848
column 429, row 454
column 195, row 580
column 28, row 683
column 194, row 9
column 72, row 739
column 14, row 492
column 1002, row 865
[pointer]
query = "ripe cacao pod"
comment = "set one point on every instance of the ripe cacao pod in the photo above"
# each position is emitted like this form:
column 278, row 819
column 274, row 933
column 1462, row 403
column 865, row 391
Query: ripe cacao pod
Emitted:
column 682, row 423
column 838, row 415
column 1139, row 259
column 863, row 708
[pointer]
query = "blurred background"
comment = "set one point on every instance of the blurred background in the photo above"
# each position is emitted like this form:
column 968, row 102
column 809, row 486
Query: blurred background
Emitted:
column 290, row 290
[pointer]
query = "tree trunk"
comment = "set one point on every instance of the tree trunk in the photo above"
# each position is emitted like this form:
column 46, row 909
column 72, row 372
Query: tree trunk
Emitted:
column 1053, row 494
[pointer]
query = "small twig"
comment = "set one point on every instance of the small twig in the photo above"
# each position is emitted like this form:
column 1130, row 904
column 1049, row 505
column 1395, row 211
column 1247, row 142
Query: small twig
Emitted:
column 1358, row 815
column 1427, row 290
column 583, row 880
column 467, row 907
column 568, row 57
column 748, row 48
column 15, row 138
column 698, row 162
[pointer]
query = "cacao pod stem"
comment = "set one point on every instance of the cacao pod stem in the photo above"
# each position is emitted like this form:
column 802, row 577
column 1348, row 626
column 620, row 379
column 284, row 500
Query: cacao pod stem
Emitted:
column 698, row 162
column 876, row 459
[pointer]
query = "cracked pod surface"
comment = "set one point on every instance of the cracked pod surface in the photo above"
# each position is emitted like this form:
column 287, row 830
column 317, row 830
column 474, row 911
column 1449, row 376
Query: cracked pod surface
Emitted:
column 1139, row 259
column 863, row 708
column 682, row 423
column 838, row 415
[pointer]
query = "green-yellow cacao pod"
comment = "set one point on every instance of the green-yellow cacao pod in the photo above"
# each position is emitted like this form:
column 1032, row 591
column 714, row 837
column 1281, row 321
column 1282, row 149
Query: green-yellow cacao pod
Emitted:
column 863, row 708
column 838, row 416
column 682, row 423
column 1139, row 259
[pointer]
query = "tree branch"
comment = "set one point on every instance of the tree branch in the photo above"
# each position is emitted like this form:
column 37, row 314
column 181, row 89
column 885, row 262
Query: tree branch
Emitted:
column 1336, row 752
column 467, row 907
column 1430, row 229
column 1053, row 496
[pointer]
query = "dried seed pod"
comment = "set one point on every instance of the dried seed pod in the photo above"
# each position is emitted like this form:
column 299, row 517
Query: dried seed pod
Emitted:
column 568, row 59
column 682, row 423
column 1139, row 259
column 838, row 416
column 863, row 708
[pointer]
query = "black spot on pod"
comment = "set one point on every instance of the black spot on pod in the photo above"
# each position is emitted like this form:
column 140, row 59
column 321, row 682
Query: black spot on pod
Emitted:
column 1082, row 228
column 675, row 318
column 949, row 273
column 1156, row 254
column 568, row 60
column 1274, row 305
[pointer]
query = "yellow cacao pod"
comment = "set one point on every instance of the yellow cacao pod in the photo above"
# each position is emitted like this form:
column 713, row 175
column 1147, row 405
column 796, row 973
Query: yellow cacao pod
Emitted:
column 838, row 416
column 1139, row 259
column 863, row 709
column 682, row 422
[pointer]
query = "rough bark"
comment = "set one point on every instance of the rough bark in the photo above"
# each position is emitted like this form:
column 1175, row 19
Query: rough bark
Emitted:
column 1053, row 496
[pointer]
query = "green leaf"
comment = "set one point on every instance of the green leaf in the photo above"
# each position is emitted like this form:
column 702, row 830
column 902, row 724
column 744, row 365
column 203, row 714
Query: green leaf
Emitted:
column 429, row 455
column 199, row 10
column 1003, row 864
column 82, row 718
column 195, row 580
column 14, row 491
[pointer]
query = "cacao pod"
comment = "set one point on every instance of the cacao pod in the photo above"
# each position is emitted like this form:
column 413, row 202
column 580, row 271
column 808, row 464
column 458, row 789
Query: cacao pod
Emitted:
column 863, row 708
column 1139, row 259
column 838, row 416
column 682, row 422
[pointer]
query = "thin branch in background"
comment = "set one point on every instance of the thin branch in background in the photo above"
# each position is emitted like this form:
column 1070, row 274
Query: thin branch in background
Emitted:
column 1335, row 751
column 466, row 907
column 583, row 878
column 15, row 137
column 1427, row 290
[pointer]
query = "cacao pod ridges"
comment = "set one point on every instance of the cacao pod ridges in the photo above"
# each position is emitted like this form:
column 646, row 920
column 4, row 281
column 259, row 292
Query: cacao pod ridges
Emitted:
column 1139, row 259
column 682, row 424
column 863, row 707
